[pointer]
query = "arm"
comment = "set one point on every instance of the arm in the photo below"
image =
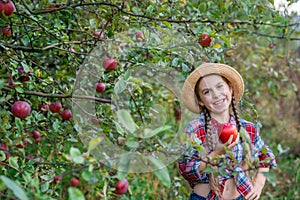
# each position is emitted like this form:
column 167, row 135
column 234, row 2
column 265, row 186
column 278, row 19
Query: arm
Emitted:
column 266, row 161
column 258, row 184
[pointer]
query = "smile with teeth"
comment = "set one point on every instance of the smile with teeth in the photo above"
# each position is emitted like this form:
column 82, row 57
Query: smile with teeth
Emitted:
column 219, row 102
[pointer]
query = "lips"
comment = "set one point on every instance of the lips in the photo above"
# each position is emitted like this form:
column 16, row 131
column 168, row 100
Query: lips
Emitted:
column 219, row 102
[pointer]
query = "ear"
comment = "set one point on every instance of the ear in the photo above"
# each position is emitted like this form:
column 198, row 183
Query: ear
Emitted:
column 201, row 103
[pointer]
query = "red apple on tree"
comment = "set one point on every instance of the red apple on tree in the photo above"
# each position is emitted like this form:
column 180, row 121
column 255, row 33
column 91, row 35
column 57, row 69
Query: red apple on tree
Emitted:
column 177, row 114
column 3, row 147
column 55, row 107
column 121, row 186
column 57, row 179
column 109, row 64
column 22, row 145
column 36, row 134
column 66, row 114
column 21, row 109
column 74, row 182
column 6, row 8
column 205, row 40
column 100, row 87
column 11, row 82
column 6, row 31
column 227, row 130
column 43, row 107
column 139, row 36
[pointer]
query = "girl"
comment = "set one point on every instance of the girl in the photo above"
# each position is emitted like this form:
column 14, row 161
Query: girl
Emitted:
column 211, row 91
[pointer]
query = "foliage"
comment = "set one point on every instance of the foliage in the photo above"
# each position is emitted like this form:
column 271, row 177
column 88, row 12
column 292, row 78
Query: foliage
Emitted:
column 47, row 57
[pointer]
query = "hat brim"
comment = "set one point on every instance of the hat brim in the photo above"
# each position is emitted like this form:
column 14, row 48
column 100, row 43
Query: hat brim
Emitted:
column 188, row 89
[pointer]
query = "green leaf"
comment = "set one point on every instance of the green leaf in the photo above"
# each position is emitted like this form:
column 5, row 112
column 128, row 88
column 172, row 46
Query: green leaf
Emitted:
column 13, row 161
column 15, row 188
column 2, row 82
column 2, row 156
column 132, row 144
column 162, row 173
column 120, row 86
column 149, row 132
column 76, row 155
column 19, row 89
column 125, row 119
column 86, row 175
column 19, row 124
column 93, row 143
column 75, row 194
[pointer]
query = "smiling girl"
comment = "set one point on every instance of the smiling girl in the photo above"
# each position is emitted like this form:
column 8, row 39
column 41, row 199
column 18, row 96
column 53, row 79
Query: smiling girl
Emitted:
column 212, row 91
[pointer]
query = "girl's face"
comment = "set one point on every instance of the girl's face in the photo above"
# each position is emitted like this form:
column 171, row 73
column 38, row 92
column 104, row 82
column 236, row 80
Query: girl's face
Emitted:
column 215, row 94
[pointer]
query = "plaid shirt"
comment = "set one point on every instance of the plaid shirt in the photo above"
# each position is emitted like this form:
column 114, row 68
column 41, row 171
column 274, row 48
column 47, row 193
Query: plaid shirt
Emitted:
column 188, row 165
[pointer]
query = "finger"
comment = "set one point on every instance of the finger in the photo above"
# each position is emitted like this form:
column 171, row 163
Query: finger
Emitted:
column 229, row 140
column 237, row 138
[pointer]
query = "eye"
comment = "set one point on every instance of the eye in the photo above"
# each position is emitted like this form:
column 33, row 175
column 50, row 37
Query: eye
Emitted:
column 205, row 92
column 220, row 85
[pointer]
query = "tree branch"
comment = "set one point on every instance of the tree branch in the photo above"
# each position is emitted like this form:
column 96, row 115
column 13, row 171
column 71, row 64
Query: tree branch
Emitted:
column 41, row 94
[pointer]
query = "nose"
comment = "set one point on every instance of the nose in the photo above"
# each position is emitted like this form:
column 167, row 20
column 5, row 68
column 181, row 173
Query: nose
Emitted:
column 215, row 93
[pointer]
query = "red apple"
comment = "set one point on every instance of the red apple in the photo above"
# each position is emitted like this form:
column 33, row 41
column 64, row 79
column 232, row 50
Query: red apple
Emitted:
column 204, row 40
column 3, row 147
column 11, row 82
column 66, row 114
column 74, row 182
column 38, row 139
column 7, row 156
column 6, row 8
column 22, row 145
column 177, row 114
column 272, row 45
column 57, row 179
column 36, row 134
column 139, row 36
column 100, row 87
column 121, row 186
column 120, row 142
column 21, row 109
column 96, row 34
column 109, row 64
column 6, row 31
column 227, row 130
column 55, row 107
column 43, row 107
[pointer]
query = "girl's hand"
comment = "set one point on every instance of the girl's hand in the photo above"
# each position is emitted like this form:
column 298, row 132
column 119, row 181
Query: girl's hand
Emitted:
column 258, row 184
column 220, row 147
column 255, row 193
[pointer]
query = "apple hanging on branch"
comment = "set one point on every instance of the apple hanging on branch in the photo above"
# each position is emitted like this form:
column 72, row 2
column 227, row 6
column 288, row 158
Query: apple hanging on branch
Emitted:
column 227, row 130
column 109, row 64
column 205, row 40
column 121, row 186
column 7, row 8
column 21, row 109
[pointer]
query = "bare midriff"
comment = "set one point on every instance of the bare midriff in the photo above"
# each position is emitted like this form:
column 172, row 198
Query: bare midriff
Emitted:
column 230, row 192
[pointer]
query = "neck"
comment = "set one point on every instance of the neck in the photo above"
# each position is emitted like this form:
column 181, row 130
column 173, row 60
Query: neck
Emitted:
column 221, row 118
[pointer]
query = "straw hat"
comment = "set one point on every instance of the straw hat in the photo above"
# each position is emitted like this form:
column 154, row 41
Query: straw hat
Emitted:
column 188, row 94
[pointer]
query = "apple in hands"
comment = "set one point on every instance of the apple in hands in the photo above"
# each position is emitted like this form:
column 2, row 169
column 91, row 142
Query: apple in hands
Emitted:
column 227, row 130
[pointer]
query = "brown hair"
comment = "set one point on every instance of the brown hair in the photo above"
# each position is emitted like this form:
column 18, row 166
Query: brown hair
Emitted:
column 214, row 180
